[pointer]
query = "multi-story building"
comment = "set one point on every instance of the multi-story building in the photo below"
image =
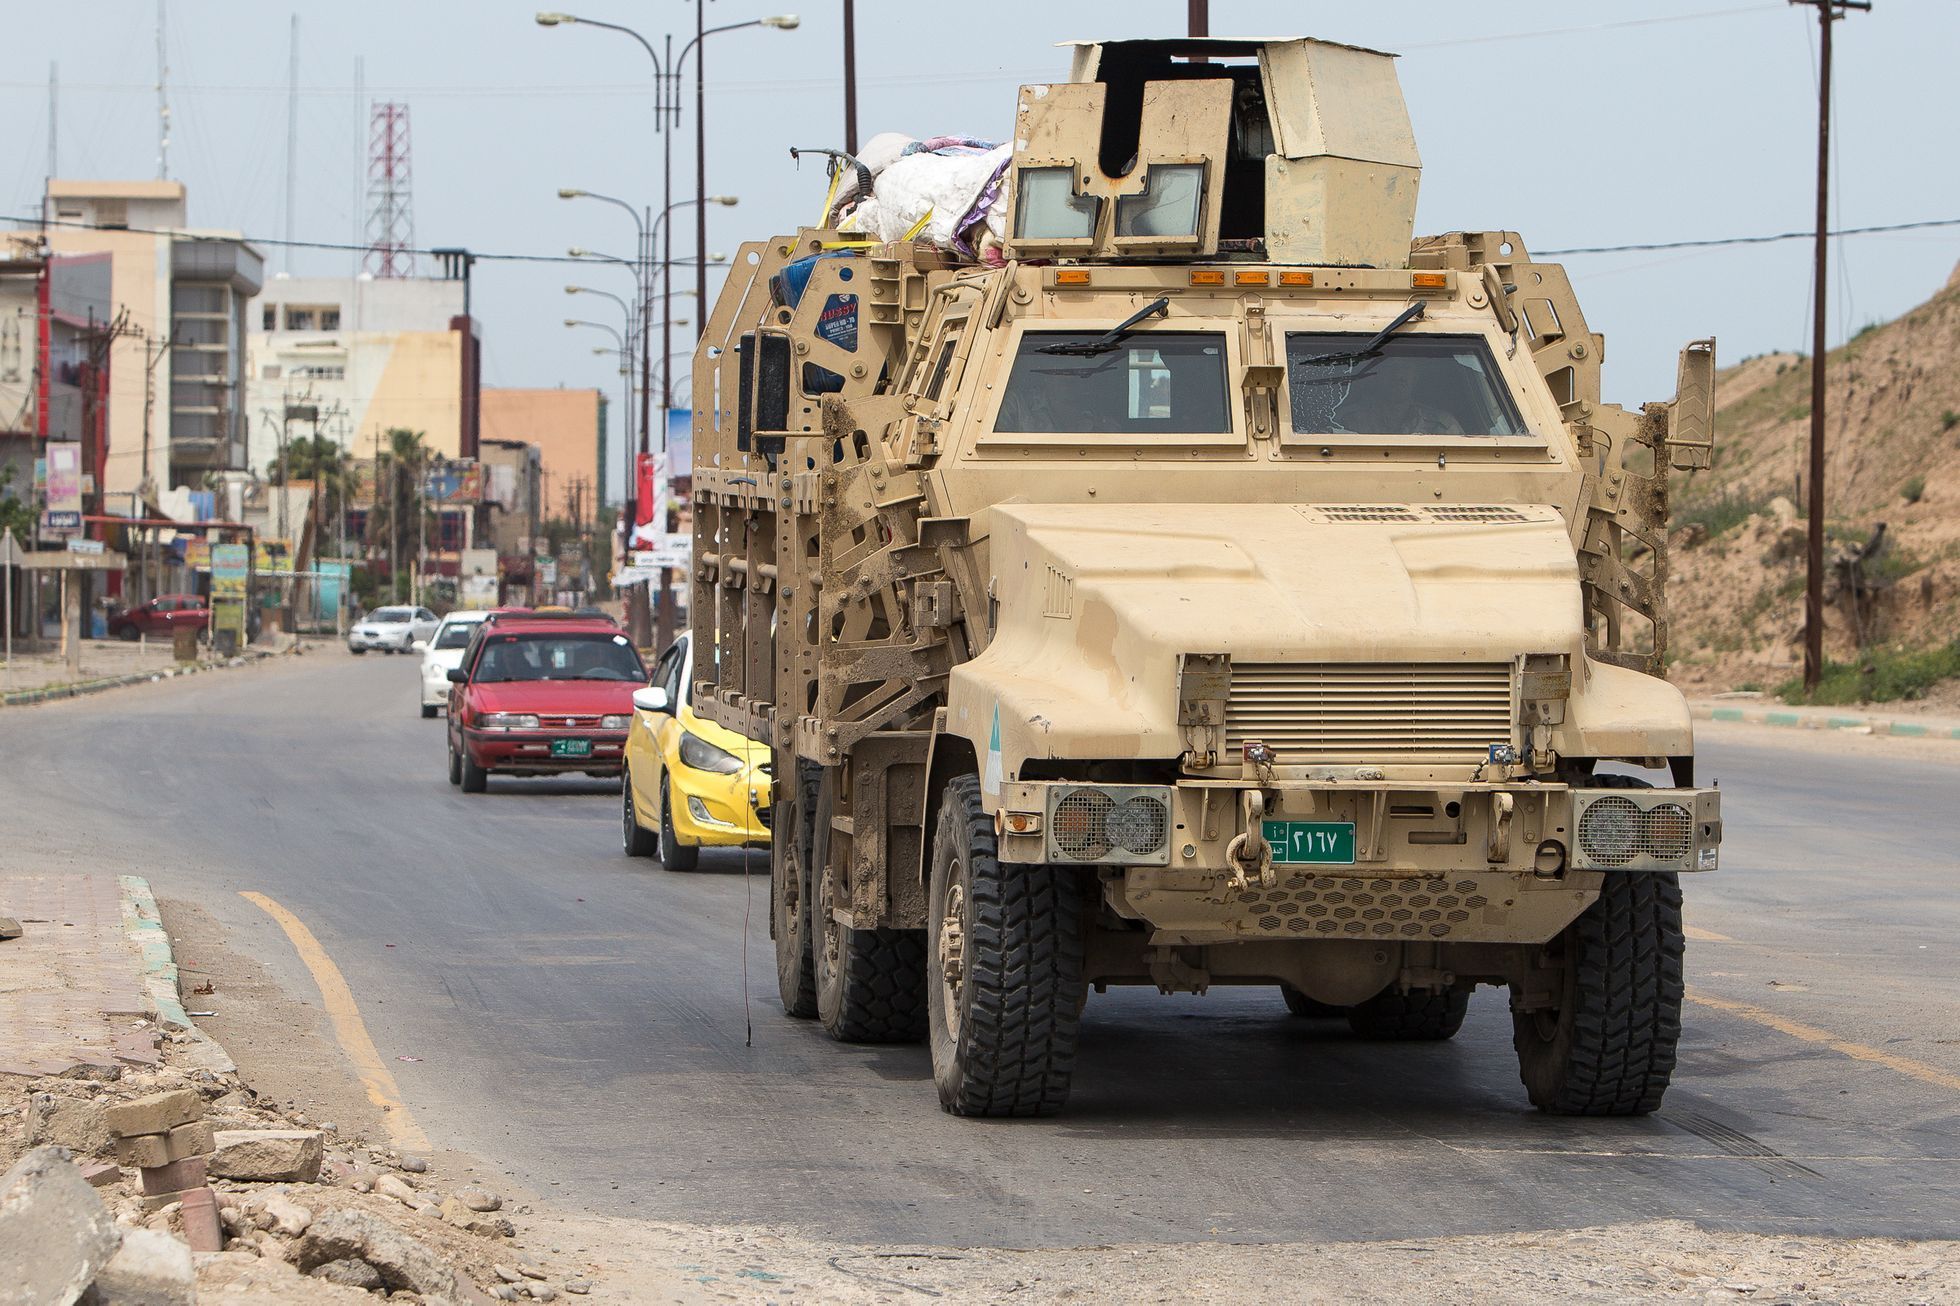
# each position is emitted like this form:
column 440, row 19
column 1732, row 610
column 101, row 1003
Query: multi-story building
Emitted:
column 569, row 429
column 175, row 307
column 54, row 353
column 366, row 355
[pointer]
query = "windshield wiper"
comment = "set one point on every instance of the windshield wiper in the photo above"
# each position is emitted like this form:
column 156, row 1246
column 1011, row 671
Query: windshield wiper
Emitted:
column 1373, row 347
column 1104, row 343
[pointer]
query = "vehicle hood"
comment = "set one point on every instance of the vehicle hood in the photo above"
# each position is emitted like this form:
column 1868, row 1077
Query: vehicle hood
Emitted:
column 555, row 697
column 1096, row 603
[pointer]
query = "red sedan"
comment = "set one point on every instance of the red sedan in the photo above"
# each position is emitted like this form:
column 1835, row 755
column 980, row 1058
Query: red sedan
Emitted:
column 542, row 697
column 160, row 616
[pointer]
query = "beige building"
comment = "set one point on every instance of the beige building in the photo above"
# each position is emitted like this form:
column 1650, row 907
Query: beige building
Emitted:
column 568, row 427
column 172, row 284
column 368, row 354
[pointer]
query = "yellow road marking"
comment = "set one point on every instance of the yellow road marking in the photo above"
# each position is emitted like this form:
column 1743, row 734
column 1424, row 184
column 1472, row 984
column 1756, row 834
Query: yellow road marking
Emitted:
column 1824, row 1038
column 1705, row 936
column 348, row 1027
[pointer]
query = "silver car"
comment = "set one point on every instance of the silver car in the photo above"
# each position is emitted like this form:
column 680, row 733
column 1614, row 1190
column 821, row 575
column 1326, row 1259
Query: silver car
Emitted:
column 392, row 630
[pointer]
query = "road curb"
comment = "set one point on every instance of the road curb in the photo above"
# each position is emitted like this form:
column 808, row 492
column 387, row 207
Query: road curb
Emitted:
column 143, row 926
column 1822, row 719
column 29, row 697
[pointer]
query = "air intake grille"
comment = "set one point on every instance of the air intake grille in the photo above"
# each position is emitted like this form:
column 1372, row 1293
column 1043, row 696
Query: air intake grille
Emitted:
column 1371, row 712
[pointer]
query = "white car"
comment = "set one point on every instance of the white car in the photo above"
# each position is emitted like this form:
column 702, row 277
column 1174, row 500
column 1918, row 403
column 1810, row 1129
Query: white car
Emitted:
column 392, row 630
column 443, row 654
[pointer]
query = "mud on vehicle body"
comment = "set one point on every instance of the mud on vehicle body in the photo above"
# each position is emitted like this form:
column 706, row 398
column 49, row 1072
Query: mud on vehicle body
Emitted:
column 1228, row 589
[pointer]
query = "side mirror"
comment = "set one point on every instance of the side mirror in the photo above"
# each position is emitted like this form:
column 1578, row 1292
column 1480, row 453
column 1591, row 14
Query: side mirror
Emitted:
column 420, row 646
column 458, row 676
column 651, row 699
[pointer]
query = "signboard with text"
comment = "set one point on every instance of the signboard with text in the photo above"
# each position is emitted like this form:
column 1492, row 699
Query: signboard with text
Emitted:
column 63, row 511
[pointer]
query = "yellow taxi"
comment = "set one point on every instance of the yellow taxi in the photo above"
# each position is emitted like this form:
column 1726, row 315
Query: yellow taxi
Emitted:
column 688, row 783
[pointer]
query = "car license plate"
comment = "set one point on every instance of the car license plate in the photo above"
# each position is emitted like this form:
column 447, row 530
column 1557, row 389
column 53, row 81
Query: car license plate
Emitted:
column 583, row 748
column 1326, row 843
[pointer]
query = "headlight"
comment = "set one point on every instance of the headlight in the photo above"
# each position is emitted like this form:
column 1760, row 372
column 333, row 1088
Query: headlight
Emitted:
column 1111, row 824
column 507, row 721
column 704, row 756
column 615, row 722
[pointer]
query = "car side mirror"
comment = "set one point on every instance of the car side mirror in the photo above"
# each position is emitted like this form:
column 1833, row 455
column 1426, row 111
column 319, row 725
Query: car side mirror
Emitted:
column 458, row 676
column 420, row 646
column 651, row 699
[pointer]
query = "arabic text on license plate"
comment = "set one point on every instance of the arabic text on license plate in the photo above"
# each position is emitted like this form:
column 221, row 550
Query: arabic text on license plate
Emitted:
column 1329, row 843
column 571, row 748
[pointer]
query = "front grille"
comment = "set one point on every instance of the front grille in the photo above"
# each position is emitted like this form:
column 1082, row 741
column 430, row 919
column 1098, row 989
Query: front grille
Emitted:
column 1370, row 712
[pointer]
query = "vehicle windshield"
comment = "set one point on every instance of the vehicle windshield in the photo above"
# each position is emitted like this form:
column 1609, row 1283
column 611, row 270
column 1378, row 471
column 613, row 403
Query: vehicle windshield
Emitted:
column 391, row 616
column 1409, row 385
column 1152, row 383
column 456, row 634
column 540, row 656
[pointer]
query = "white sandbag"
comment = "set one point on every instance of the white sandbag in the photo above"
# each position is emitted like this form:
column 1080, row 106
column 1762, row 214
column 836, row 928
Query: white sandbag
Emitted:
column 944, row 185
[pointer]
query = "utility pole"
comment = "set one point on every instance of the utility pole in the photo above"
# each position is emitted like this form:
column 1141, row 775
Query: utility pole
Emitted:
column 1197, row 17
column 851, row 79
column 1828, row 12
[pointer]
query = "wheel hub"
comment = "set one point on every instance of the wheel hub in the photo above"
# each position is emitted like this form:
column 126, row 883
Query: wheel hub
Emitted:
column 952, row 939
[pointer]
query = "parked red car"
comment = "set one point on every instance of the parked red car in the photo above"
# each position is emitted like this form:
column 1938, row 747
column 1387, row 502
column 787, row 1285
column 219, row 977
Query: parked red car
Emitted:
column 160, row 616
column 542, row 696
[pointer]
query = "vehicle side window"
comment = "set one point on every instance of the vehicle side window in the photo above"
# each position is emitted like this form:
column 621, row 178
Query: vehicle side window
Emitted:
column 675, row 681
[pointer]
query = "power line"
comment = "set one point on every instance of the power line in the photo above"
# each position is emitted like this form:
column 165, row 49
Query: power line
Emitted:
column 340, row 246
column 1750, row 240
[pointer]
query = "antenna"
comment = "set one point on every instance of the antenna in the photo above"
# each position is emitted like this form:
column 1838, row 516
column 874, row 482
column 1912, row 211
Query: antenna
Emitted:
column 54, row 112
column 163, row 99
column 292, row 137
column 391, row 216
column 359, row 177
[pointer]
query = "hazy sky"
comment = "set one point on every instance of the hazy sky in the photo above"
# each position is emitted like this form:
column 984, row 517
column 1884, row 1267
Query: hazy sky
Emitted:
column 1573, row 124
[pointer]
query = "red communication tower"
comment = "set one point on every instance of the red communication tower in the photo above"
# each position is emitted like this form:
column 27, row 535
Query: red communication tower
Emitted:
column 391, row 211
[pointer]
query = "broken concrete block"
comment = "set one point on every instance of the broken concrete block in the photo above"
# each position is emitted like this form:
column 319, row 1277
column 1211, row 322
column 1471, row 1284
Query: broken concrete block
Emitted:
column 147, row 1151
column 401, row 1261
column 353, row 1272
column 268, row 1155
column 200, row 1216
column 289, row 1219
column 175, row 1177
column 149, row 1269
column 100, row 1174
column 158, row 1113
column 55, row 1234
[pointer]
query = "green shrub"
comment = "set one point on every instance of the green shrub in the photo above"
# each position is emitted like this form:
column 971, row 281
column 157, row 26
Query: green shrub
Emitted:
column 1913, row 490
column 1720, row 513
column 1881, row 676
column 1949, row 419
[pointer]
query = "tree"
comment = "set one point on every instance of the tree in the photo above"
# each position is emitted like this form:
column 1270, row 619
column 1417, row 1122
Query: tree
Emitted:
column 16, row 514
column 321, row 460
column 400, row 501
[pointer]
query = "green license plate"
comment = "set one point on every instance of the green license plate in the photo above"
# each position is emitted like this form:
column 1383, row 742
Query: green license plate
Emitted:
column 583, row 748
column 1326, row 843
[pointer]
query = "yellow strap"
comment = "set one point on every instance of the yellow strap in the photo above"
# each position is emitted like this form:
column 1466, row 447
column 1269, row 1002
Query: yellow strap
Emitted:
column 918, row 226
column 830, row 197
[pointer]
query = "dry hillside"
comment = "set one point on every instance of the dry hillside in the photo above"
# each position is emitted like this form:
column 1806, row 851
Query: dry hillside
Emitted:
column 1736, row 597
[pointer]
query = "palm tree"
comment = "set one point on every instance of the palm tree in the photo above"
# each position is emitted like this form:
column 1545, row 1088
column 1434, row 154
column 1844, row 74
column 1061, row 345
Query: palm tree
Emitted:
column 400, row 501
column 321, row 460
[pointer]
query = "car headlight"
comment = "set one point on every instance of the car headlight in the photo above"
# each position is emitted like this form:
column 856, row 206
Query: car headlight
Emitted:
column 1111, row 824
column 507, row 721
column 615, row 722
column 698, row 753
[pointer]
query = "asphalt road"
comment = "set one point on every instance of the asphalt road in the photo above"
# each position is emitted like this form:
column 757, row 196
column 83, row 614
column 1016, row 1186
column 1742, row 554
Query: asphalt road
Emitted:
column 582, row 1018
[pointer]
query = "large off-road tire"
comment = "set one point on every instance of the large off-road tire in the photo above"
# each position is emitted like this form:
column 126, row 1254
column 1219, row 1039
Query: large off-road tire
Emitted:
column 674, row 855
column 1307, row 1008
column 789, row 896
column 1608, row 1049
column 870, row 983
column 1410, row 1017
column 1004, row 990
column 475, row 778
column 634, row 839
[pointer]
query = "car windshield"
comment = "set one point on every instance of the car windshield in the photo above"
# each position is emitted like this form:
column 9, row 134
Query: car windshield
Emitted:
column 391, row 616
column 455, row 634
column 1152, row 383
column 1409, row 385
column 541, row 656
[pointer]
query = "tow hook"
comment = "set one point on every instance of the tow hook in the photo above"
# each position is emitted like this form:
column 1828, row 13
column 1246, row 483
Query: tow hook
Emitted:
column 1249, row 853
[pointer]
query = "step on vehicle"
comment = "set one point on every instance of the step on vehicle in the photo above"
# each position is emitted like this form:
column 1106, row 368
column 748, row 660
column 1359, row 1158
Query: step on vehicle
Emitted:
column 1179, row 574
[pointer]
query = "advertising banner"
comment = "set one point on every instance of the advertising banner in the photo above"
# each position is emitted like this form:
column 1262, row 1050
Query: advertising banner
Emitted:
column 64, row 480
column 458, row 481
column 230, row 569
column 676, row 551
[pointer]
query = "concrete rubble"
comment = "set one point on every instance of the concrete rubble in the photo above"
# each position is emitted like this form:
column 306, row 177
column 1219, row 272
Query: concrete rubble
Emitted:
column 155, row 1187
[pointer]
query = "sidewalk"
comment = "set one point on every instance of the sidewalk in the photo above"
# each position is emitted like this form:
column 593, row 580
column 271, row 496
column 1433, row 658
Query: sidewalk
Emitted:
column 1873, row 721
column 72, row 988
column 108, row 664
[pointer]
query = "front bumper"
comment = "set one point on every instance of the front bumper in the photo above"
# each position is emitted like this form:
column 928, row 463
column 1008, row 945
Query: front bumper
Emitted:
column 528, row 752
column 720, row 811
column 435, row 692
column 363, row 640
column 1509, row 862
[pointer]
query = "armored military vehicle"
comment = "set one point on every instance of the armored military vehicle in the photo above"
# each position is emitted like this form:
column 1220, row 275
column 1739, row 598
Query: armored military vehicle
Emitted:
column 1182, row 576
